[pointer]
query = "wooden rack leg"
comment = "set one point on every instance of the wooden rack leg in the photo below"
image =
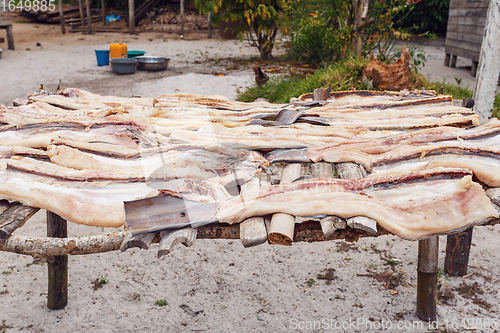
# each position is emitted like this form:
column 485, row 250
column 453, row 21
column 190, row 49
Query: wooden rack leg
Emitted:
column 453, row 63
column 10, row 37
column 447, row 57
column 427, row 272
column 57, row 297
column 457, row 253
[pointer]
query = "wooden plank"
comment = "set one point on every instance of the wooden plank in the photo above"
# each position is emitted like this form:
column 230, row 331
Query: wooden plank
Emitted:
column 466, row 37
column 462, row 45
column 57, row 295
column 468, row 12
column 14, row 217
column 468, row 4
column 474, row 56
column 464, row 28
column 489, row 64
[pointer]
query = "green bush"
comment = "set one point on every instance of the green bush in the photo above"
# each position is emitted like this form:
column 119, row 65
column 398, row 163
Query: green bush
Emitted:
column 327, row 30
column 257, row 18
column 316, row 33
column 344, row 75
column 428, row 15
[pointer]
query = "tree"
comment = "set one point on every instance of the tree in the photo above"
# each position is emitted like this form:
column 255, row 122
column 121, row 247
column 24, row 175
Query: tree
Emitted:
column 327, row 30
column 256, row 18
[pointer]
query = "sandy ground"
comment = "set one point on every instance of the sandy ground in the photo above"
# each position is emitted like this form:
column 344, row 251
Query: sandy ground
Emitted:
column 218, row 285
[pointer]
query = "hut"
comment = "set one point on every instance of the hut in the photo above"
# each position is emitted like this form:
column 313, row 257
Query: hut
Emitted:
column 465, row 30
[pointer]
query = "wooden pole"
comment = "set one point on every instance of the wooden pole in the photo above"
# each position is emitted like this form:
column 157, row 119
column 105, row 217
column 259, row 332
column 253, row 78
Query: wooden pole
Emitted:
column 131, row 16
column 489, row 64
column 182, row 18
column 457, row 253
column 103, row 5
column 89, row 19
column 427, row 272
column 82, row 15
column 10, row 37
column 57, row 297
column 61, row 17
column 209, row 25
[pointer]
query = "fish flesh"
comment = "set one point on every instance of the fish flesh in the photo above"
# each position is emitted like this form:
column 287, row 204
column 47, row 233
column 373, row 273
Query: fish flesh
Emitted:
column 477, row 149
column 411, row 205
column 97, row 203
column 75, row 99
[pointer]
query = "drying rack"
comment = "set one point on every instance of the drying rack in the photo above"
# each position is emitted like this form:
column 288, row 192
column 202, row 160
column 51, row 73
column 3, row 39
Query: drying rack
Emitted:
column 254, row 231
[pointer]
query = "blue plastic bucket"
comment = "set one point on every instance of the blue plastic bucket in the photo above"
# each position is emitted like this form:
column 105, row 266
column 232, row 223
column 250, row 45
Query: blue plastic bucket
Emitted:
column 102, row 57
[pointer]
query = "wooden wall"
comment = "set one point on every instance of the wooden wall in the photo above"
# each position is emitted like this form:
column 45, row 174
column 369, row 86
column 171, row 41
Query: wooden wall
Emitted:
column 465, row 29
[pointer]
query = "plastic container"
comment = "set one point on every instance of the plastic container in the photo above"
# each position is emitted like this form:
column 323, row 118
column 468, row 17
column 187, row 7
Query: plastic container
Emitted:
column 118, row 51
column 102, row 57
column 123, row 65
column 134, row 53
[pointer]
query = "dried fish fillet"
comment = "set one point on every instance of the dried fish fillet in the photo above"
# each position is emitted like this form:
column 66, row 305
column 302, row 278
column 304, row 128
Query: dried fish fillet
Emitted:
column 412, row 205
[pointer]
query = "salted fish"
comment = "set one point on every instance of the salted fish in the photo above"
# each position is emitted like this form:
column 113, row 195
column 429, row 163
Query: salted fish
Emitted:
column 74, row 99
column 411, row 205
column 477, row 149
column 97, row 203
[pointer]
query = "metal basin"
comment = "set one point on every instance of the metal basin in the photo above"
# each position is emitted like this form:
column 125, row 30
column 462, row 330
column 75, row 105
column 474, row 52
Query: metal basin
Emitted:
column 123, row 65
column 150, row 63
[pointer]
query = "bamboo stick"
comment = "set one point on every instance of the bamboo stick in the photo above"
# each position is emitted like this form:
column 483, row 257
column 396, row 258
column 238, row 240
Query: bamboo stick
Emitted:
column 282, row 226
column 350, row 170
column 330, row 223
column 57, row 297
column 253, row 230
column 142, row 241
column 427, row 271
column 169, row 238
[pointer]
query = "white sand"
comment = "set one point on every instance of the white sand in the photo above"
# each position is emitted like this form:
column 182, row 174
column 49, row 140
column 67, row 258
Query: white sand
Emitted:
column 261, row 289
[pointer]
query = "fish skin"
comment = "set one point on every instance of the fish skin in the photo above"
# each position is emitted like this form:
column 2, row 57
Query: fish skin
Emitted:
column 412, row 205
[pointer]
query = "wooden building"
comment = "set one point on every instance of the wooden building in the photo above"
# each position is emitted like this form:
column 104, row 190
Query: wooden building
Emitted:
column 464, row 34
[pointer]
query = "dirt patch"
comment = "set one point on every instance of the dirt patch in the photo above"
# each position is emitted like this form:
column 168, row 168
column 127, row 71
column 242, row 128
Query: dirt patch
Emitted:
column 389, row 279
column 471, row 291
